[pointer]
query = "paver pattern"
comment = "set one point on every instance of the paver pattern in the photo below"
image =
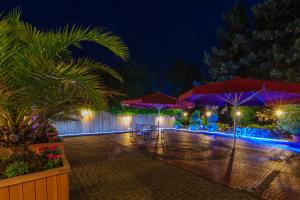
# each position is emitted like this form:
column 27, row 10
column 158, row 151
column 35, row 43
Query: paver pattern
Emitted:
column 104, row 169
column 251, row 167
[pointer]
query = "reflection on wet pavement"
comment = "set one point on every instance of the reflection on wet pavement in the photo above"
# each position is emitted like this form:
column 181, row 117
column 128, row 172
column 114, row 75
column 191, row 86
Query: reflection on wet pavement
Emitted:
column 252, row 166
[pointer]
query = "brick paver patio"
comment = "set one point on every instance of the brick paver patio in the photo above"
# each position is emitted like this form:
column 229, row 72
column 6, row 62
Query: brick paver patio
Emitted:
column 260, row 168
column 104, row 169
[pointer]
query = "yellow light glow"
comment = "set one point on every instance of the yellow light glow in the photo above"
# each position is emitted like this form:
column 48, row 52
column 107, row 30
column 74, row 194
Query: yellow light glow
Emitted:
column 279, row 112
column 86, row 114
column 126, row 120
column 238, row 113
column 185, row 114
column 208, row 114
column 160, row 118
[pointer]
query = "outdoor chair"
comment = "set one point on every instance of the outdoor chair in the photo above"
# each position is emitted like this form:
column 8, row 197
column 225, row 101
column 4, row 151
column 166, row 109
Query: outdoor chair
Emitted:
column 139, row 129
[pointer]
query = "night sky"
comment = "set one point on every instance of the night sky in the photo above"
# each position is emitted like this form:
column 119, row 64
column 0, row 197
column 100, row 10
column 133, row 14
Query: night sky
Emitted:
column 156, row 32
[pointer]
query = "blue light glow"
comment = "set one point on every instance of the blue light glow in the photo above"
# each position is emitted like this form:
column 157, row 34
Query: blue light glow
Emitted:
column 276, row 143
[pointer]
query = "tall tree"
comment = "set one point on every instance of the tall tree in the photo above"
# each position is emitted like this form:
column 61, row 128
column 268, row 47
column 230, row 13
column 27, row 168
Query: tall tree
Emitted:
column 275, row 53
column 270, row 49
column 182, row 76
column 138, row 80
column 233, row 44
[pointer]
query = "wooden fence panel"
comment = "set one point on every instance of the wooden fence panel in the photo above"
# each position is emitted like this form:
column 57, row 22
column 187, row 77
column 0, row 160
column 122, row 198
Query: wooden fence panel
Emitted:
column 103, row 122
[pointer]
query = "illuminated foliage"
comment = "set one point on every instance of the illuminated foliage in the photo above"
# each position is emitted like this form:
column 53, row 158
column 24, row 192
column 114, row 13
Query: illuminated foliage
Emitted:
column 290, row 120
column 124, row 110
column 41, row 81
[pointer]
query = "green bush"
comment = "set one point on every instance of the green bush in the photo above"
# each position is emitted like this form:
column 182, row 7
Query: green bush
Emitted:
column 223, row 127
column 3, row 159
column 16, row 169
column 248, row 115
column 53, row 163
column 270, row 127
column 196, row 117
column 177, row 124
column 290, row 120
column 124, row 110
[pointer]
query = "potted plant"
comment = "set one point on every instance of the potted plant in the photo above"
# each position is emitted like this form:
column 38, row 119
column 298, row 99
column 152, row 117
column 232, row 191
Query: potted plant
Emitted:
column 50, row 138
column 41, row 82
column 43, row 175
column 290, row 121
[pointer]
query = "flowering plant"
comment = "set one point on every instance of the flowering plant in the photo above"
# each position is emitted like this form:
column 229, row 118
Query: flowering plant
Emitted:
column 51, row 155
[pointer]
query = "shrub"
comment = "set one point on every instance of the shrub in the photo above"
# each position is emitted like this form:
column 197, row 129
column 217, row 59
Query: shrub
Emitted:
column 16, row 169
column 212, row 122
column 195, row 117
column 271, row 127
column 223, row 127
column 177, row 124
column 290, row 121
column 124, row 110
column 3, row 159
column 248, row 115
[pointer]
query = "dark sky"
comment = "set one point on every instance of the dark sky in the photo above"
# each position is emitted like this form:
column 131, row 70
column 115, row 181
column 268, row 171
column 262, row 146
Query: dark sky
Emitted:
column 156, row 31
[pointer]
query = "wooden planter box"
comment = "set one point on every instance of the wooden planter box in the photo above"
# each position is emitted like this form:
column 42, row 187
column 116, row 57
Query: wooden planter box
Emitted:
column 35, row 147
column 45, row 185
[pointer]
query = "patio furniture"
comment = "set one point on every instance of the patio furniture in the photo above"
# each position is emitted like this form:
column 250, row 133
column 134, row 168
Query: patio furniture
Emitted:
column 145, row 130
column 138, row 129
column 158, row 101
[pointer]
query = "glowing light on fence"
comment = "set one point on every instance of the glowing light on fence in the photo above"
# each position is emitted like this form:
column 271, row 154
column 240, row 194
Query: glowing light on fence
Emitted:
column 86, row 114
column 126, row 120
column 238, row 113
column 185, row 114
column 160, row 118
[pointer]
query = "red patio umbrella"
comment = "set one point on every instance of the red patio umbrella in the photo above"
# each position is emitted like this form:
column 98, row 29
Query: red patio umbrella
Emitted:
column 244, row 92
column 158, row 101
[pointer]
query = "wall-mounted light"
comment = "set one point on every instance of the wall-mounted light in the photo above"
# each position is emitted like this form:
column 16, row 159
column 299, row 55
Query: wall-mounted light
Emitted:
column 185, row 114
column 238, row 113
column 126, row 120
column 86, row 114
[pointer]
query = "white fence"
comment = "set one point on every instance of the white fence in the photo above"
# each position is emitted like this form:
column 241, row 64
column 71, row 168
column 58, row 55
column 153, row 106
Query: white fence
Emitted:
column 104, row 122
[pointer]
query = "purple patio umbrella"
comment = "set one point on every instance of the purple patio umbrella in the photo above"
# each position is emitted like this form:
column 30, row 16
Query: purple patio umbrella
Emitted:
column 158, row 101
column 244, row 92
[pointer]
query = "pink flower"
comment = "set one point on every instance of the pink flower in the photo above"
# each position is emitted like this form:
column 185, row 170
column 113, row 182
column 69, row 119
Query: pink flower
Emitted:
column 50, row 155
column 56, row 157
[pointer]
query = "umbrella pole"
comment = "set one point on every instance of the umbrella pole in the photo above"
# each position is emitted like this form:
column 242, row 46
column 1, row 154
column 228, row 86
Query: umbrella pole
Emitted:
column 158, row 121
column 234, row 124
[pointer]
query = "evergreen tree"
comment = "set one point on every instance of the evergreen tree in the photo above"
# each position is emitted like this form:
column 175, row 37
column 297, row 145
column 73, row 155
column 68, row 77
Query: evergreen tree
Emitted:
column 268, row 50
column 181, row 77
column 138, row 80
column 275, row 52
column 233, row 44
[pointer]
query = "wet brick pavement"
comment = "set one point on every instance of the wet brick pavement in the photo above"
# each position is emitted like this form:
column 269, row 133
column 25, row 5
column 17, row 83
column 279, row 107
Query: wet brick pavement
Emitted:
column 104, row 169
column 248, row 168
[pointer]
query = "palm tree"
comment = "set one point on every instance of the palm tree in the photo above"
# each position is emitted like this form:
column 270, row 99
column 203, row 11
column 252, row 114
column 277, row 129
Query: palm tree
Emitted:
column 42, row 82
